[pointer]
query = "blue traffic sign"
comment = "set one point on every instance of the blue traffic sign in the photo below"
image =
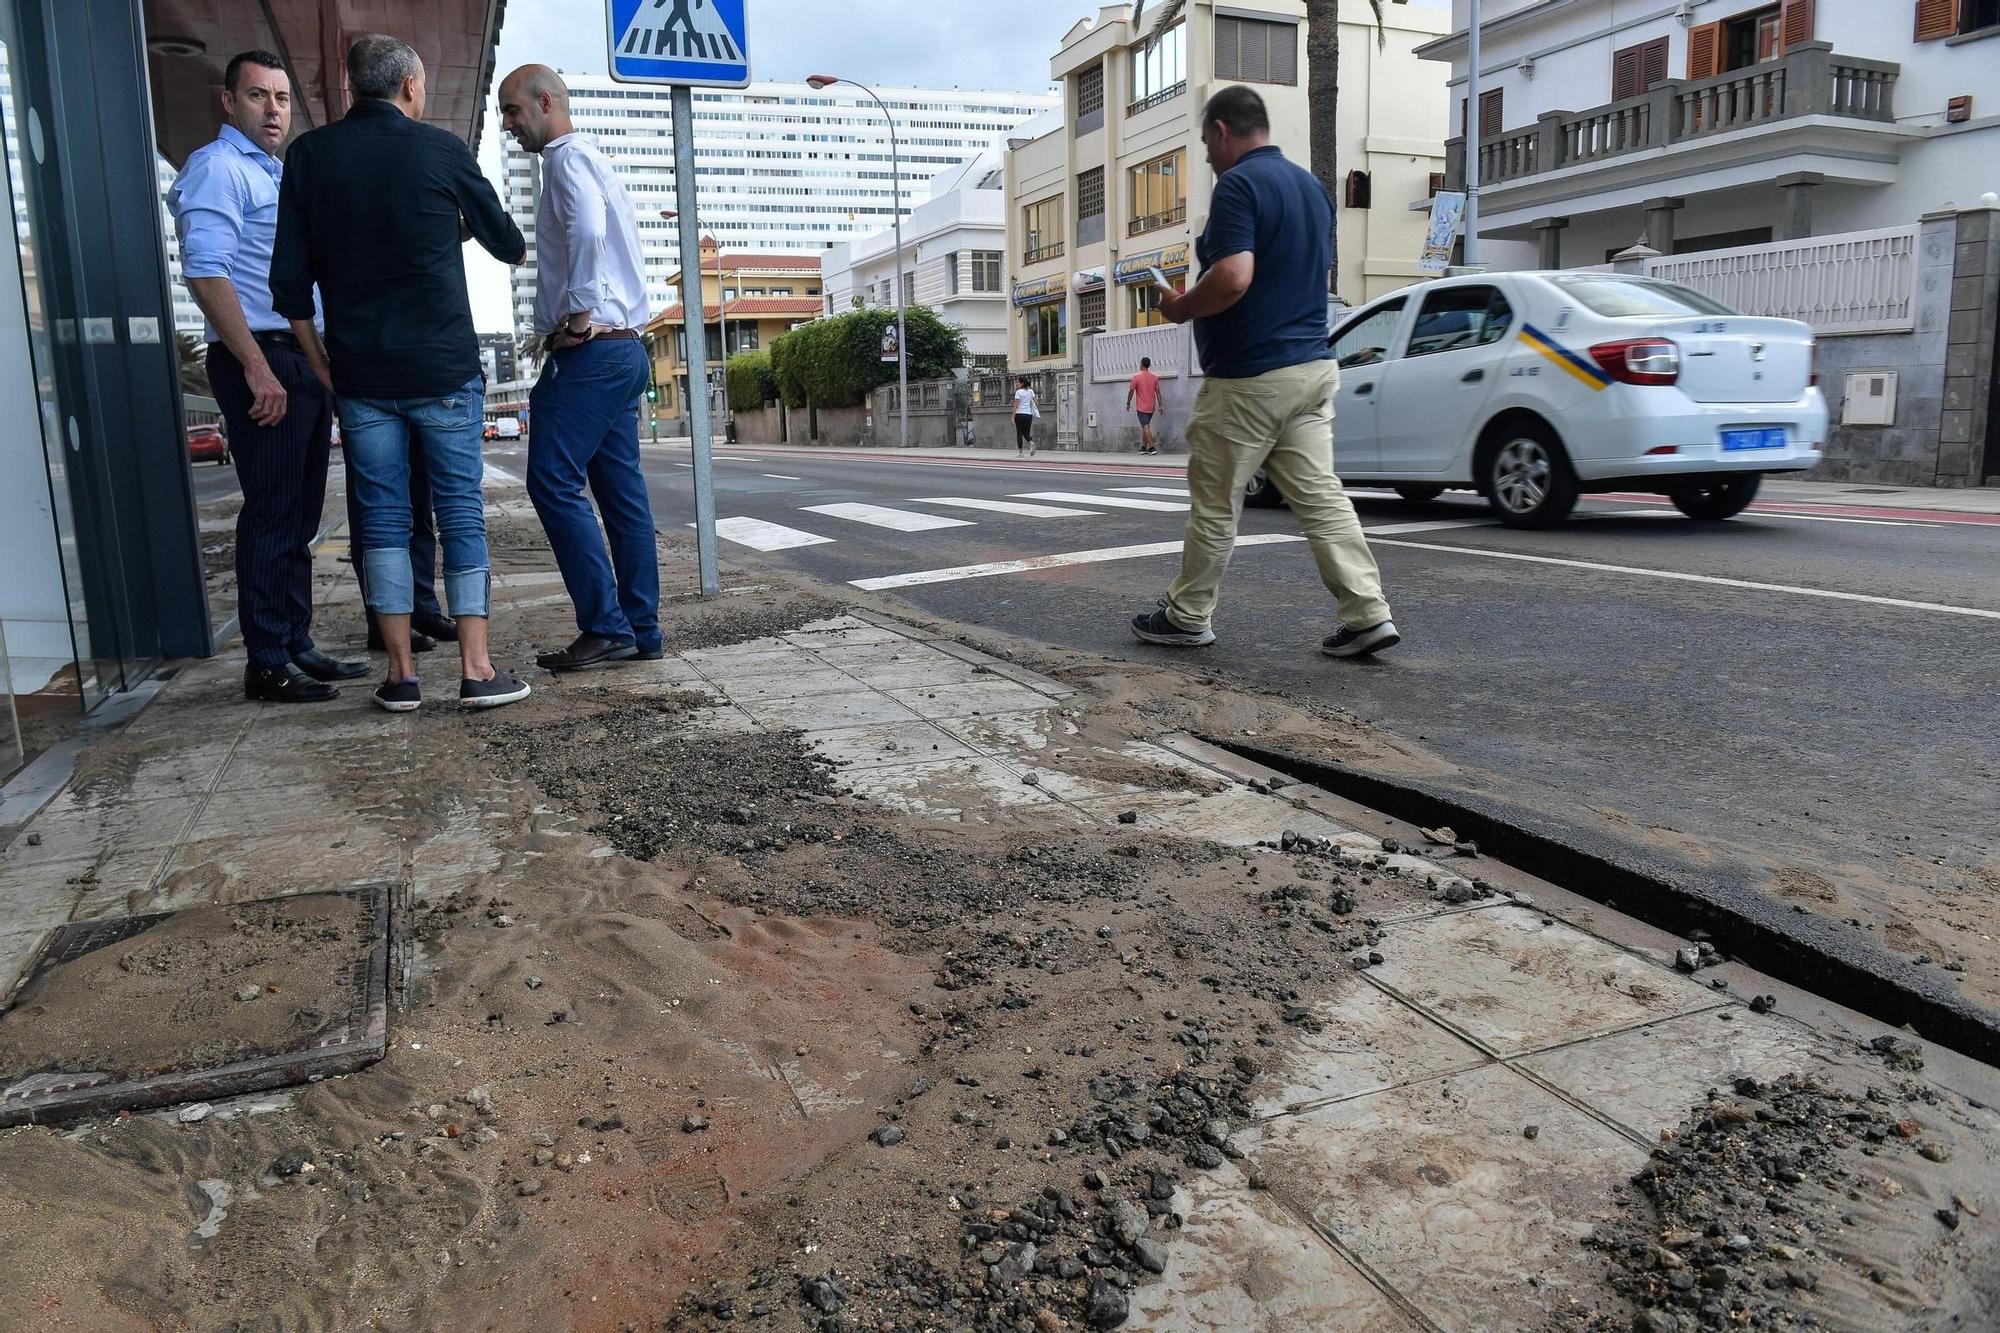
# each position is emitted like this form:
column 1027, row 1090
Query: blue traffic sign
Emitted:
column 697, row 43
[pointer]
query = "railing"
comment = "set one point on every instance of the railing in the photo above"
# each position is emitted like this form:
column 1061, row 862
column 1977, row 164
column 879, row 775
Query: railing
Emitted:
column 1115, row 356
column 1809, row 81
column 1855, row 282
column 1037, row 254
column 1160, row 98
column 1154, row 221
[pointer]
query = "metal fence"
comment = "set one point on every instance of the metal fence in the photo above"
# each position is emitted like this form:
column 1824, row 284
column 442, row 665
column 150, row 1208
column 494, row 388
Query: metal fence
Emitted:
column 1855, row 282
column 1115, row 356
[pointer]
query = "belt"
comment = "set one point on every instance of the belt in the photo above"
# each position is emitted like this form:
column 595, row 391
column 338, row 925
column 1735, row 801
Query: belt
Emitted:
column 616, row 333
column 276, row 338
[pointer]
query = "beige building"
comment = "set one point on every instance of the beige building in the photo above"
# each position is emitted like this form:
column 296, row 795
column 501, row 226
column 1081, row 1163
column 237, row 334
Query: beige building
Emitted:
column 1123, row 184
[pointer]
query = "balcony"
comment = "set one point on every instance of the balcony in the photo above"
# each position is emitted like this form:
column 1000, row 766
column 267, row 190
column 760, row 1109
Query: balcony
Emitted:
column 1036, row 254
column 1160, row 98
column 1154, row 221
column 1809, row 82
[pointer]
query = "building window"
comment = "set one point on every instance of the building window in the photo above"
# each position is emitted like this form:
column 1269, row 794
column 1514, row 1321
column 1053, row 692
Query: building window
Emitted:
column 1750, row 38
column 1159, row 69
column 1089, row 100
column 1090, row 206
column 909, row 289
column 1492, row 106
column 1159, row 193
column 1090, row 310
column 951, row 274
column 1048, row 330
column 1638, row 69
column 1256, row 51
column 1950, row 18
column 1359, row 190
column 1435, row 185
column 1041, row 224
column 986, row 270
column 1145, row 305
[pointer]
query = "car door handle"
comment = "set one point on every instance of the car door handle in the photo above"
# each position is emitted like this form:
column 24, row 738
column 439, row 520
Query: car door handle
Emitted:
column 1472, row 377
column 1361, row 390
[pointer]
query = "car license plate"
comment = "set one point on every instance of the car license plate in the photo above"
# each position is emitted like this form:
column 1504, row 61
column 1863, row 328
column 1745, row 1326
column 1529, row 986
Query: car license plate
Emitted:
column 1770, row 437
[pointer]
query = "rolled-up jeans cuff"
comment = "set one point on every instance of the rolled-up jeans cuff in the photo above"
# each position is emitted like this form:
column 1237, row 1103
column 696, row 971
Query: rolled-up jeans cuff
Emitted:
column 391, row 584
column 466, row 591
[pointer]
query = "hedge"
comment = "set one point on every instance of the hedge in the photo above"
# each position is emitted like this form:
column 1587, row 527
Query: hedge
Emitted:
column 834, row 362
column 751, row 383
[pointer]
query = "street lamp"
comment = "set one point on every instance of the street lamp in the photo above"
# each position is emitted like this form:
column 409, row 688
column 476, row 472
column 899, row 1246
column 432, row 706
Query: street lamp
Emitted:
column 821, row 82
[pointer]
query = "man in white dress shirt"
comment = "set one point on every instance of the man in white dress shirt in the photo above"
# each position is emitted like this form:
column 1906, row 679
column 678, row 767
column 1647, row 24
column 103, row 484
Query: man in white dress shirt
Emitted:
column 583, row 417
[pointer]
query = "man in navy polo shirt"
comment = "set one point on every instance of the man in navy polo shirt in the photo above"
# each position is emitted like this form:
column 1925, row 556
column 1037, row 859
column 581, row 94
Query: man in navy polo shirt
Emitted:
column 1260, row 329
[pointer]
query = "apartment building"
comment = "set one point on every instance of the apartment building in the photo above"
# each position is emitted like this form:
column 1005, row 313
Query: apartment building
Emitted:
column 747, row 301
column 953, row 258
column 1122, row 185
column 784, row 168
column 1713, row 124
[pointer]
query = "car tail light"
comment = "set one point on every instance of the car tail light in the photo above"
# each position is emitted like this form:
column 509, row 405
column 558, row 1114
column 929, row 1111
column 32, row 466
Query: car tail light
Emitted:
column 1812, row 350
column 1663, row 449
column 1639, row 360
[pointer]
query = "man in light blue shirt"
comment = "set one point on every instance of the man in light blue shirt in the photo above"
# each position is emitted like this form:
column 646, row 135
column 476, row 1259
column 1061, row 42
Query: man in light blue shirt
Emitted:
column 279, row 415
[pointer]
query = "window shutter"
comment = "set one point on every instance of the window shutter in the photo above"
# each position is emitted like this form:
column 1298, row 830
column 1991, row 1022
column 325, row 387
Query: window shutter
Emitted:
column 1284, row 53
column 1228, row 48
column 1936, row 18
column 1490, row 113
column 1652, row 64
column 1795, row 24
column 1624, row 73
column 1256, row 66
column 1360, row 189
column 1705, row 51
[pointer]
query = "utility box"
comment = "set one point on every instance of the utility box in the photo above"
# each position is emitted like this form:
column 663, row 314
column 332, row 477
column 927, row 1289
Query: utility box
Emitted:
column 1870, row 399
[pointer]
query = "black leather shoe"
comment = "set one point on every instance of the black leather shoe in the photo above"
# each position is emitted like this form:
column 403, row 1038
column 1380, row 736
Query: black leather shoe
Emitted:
column 440, row 627
column 285, row 685
column 419, row 643
column 321, row 667
column 589, row 650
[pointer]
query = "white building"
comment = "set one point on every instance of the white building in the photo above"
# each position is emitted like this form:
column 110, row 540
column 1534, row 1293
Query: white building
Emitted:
column 783, row 168
column 954, row 259
column 187, row 315
column 1713, row 124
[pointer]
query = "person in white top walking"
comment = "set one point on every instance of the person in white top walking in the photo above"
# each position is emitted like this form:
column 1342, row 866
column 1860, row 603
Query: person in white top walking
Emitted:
column 583, row 419
column 1026, row 409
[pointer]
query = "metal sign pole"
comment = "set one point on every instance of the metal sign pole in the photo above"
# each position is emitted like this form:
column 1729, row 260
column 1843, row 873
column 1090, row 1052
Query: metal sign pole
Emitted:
column 695, row 325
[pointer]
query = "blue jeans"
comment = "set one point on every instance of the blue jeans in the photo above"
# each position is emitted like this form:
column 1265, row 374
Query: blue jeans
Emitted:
column 378, row 435
column 583, row 429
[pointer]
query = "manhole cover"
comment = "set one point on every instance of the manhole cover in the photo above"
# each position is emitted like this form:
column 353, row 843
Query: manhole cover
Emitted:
column 139, row 1011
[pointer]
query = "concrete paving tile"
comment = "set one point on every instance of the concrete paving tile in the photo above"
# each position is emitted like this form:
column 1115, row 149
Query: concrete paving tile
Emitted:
column 1243, row 1264
column 1516, row 985
column 701, row 657
column 755, row 666
column 264, row 768
column 1237, row 816
column 976, row 699
column 970, row 790
column 70, row 830
column 238, row 869
column 827, row 712
column 807, row 683
column 666, row 671
column 848, row 654
column 37, row 897
column 1038, row 728
column 1436, row 1189
column 17, row 949
column 1370, row 1041
column 888, row 743
column 273, row 810
column 841, row 632
column 1649, row 1078
column 912, row 669
column 725, row 718
column 156, row 770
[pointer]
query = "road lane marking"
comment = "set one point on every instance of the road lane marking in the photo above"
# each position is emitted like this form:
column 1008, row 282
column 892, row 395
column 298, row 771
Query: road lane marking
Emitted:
column 1711, row 580
column 879, row 516
column 1007, row 507
column 731, row 458
column 1114, row 501
column 500, row 476
column 1034, row 562
column 1758, row 513
column 758, row 535
column 1152, row 490
column 1432, row 525
column 779, row 476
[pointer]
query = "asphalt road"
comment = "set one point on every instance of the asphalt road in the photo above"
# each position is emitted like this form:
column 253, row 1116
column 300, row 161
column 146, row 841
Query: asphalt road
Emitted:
column 1841, row 716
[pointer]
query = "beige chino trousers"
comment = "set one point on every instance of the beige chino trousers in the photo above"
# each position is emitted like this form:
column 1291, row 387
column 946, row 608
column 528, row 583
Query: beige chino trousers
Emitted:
column 1280, row 421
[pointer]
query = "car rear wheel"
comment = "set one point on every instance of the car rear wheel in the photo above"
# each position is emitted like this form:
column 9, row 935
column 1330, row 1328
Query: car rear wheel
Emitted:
column 1419, row 494
column 1717, row 498
column 1527, row 478
column 1262, row 492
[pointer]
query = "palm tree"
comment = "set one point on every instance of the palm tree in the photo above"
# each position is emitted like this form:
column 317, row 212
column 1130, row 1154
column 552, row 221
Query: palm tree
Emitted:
column 1322, row 94
column 194, row 364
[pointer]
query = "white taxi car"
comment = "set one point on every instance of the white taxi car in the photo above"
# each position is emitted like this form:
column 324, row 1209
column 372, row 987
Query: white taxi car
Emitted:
column 1535, row 387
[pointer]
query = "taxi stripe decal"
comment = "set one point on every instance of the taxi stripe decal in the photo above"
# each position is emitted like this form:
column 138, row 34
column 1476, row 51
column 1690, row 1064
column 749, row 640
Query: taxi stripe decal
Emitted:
column 1563, row 357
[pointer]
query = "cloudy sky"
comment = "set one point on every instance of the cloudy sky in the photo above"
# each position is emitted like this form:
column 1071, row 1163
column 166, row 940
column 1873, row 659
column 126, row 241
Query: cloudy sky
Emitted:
column 976, row 44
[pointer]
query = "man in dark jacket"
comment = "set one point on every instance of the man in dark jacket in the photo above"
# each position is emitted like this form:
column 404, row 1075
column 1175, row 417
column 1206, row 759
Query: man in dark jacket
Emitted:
column 374, row 208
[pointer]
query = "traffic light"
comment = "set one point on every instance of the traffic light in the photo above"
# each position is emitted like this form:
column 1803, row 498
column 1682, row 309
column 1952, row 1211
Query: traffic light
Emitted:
column 652, row 393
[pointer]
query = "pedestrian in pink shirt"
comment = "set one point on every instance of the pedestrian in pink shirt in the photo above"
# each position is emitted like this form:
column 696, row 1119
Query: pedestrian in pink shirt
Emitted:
column 1143, row 395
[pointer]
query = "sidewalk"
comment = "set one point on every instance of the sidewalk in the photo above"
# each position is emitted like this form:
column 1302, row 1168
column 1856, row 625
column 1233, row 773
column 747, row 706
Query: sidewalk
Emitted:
column 836, row 973
column 1776, row 490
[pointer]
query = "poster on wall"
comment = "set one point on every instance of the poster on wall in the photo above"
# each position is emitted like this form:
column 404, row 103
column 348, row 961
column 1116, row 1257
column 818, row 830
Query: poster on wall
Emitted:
column 1447, row 213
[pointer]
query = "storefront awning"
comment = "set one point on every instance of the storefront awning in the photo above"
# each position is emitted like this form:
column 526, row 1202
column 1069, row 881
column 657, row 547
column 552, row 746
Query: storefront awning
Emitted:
column 1172, row 260
column 1036, row 291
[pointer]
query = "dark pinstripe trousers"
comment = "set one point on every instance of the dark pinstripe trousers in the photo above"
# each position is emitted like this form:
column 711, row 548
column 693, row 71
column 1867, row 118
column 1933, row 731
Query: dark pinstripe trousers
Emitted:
column 282, row 470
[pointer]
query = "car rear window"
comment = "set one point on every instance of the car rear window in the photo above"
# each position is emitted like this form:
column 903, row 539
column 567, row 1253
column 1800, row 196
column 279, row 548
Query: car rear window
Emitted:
column 1626, row 298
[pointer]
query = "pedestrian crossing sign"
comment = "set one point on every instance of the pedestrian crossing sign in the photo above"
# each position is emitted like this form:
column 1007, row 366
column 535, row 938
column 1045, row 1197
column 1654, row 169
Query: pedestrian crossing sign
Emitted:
column 696, row 43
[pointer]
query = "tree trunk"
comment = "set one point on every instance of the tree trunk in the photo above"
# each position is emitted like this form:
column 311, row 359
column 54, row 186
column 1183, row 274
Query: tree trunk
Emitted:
column 1323, row 104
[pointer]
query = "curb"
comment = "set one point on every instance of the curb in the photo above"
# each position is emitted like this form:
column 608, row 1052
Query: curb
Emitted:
column 1800, row 948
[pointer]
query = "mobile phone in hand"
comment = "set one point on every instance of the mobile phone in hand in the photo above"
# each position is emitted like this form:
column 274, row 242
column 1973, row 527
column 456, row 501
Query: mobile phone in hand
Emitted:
column 1160, row 281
